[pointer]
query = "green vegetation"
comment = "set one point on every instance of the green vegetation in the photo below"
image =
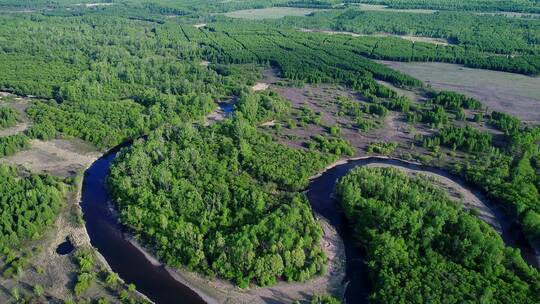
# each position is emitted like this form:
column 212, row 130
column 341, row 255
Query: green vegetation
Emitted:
column 9, row 145
column 511, row 176
column 382, row 148
column 28, row 205
column 248, row 179
column 423, row 247
column 455, row 101
column 478, row 41
column 225, row 200
column 86, row 276
column 529, row 6
column 269, row 13
column 8, row 117
column 465, row 138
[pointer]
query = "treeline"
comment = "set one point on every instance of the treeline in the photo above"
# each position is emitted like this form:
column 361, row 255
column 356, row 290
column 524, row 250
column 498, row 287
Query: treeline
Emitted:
column 491, row 42
column 466, row 138
column 423, row 247
column 511, row 176
column 12, row 144
column 300, row 57
column 454, row 101
column 527, row 6
column 8, row 117
column 116, row 85
column 28, row 205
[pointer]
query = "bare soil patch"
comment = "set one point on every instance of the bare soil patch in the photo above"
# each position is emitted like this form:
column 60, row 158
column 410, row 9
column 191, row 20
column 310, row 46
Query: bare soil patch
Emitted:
column 18, row 104
column 515, row 94
column 260, row 86
column 322, row 100
column 60, row 157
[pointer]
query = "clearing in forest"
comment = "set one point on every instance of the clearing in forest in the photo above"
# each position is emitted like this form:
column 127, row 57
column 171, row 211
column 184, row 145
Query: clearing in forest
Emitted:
column 515, row 94
column 437, row 41
column 60, row 157
column 270, row 13
column 384, row 8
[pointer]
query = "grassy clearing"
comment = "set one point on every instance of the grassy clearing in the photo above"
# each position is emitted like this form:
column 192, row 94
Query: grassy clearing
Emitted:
column 438, row 41
column 376, row 7
column 518, row 95
column 269, row 13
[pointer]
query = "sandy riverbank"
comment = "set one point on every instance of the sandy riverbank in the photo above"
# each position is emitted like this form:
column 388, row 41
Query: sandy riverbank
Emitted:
column 216, row 291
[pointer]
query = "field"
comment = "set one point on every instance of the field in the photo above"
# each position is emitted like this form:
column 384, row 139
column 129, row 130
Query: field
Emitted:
column 375, row 7
column 269, row 13
column 515, row 94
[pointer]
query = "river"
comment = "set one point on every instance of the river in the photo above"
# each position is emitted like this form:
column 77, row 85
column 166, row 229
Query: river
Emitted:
column 107, row 235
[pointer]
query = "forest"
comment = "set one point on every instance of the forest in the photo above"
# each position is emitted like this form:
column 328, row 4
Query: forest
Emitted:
column 227, row 199
column 28, row 204
column 527, row 6
column 424, row 247
column 205, row 199
column 478, row 41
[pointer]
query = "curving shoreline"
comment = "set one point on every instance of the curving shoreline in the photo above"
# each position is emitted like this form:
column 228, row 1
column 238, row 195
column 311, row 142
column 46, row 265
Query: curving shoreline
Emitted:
column 201, row 288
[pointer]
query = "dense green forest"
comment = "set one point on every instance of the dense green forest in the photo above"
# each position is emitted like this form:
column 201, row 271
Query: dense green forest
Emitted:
column 479, row 41
column 511, row 176
column 423, row 247
column 28, row 204
column 221, row 200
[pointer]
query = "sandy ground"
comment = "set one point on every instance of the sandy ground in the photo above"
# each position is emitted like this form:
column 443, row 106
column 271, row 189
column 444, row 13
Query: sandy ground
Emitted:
column 455, row 190
column 20, row 127
column 260, row 86
column 60, row 157
column 515, row 94
column 205, row 63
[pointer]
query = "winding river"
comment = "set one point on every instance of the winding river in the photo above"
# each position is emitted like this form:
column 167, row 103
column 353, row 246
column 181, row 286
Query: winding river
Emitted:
column 156, row 282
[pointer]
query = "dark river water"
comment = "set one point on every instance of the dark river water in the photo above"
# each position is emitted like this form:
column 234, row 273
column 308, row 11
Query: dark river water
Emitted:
column 157, row 284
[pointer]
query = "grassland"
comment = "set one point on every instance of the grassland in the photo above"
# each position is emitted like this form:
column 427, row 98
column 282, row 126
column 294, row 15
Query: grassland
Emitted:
column 518, row 95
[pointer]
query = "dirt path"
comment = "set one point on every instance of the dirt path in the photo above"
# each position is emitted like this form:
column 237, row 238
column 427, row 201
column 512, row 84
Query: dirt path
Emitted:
column 20, row 105
column 20, row 127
